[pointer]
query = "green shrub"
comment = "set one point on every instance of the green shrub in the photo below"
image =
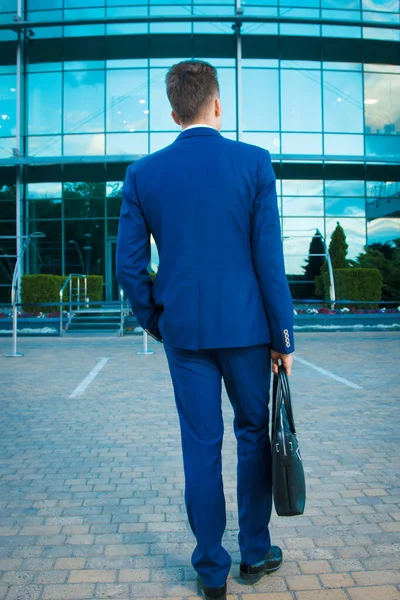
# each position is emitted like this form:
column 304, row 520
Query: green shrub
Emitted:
column 38, row 289
column 319, row 286
column 355, row 284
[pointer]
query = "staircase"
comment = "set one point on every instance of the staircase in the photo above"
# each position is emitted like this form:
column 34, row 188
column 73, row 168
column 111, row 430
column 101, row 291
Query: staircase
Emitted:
column 95, row 321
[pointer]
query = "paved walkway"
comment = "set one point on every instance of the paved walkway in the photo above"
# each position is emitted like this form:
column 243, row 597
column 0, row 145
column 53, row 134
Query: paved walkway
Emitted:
column 91, row 487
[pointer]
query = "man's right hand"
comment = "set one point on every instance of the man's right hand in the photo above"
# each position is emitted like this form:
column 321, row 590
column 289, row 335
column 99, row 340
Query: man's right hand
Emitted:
column 285, row 359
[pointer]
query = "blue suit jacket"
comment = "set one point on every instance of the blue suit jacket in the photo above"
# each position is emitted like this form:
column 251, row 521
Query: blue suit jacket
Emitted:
column 211, row 206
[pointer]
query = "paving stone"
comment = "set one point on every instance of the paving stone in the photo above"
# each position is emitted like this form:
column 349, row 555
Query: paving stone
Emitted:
column 336, row 580
column 315, row 566
column 376, row 577
column 303, row 582
column 67, row 592
column 322, row 595
column 25, row 592
column 381, row 592
column 92, row 576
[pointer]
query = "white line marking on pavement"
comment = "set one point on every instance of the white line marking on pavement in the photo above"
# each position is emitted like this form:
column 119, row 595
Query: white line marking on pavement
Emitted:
column 88, row 380
column 328, row 373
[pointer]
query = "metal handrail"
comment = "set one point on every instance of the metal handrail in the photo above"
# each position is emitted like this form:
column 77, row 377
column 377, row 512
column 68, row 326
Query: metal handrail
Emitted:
column 68, row 282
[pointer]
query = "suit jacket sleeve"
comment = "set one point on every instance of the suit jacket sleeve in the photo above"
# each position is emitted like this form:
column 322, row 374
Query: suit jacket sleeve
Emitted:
column 133, row 257
column 268, row 260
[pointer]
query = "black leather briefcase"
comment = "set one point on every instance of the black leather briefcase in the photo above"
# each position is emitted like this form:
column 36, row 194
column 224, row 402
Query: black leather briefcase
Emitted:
column 288, row 481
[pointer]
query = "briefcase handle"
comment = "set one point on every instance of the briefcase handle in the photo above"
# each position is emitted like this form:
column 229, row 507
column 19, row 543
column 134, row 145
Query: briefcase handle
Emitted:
column 281, row 394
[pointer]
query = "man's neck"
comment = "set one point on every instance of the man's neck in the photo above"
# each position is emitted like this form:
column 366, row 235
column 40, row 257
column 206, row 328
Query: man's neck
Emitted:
column 193, row 125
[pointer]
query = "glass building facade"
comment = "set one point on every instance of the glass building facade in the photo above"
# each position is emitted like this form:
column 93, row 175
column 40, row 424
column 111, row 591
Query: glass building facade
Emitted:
column 82, row 95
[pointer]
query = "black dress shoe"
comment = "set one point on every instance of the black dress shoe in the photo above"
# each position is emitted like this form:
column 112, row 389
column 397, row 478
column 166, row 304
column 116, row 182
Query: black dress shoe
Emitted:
column 272, row 562
column 212, row 593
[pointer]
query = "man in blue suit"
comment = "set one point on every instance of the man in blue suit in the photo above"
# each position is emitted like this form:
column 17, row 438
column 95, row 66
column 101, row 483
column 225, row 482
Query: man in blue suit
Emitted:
column 221, row 304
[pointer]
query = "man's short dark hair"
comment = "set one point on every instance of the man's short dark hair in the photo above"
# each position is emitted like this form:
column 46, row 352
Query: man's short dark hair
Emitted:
column 191, row 85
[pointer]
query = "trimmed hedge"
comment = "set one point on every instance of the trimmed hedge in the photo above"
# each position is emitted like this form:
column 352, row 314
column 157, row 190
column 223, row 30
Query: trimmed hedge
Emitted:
column 38, row 289
column 353, row 284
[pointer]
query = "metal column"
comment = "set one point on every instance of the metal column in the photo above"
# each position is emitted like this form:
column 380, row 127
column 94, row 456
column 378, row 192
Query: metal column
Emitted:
column 237, row 27
column 19, row 142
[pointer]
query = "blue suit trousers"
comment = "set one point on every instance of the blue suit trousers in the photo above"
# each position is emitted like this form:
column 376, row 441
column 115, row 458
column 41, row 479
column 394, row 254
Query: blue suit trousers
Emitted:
column 197, row 379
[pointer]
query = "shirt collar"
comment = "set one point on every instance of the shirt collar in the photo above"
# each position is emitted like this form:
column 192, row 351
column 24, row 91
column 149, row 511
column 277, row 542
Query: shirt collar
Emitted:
column 198, row 125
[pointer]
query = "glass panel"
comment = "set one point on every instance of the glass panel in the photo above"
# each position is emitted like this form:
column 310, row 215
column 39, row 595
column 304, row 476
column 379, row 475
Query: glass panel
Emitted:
column 227, row 86
column 345, row 188
column 347, row 207
column 269, row 141
column 158, row 141
column 43, row 4
column 44, row 145
column 382, row 103
column 45, row 253
column 297, row 234
column 302, row 187
column 160, row 109
column 385, row 5
column 301, row 143
column 382, row 145
column 114, row 198
column 45, row 209
column 42, row 191
column 383, row 230
column 260, row 99
column 301, row 100
column 127, row 100
column 344, row 145
column 44, row 103
column 8, row 111
column 343, row 102
column 88, row 237
column 383, row 199
column 83, row 101
column 48, row 15
column 341, row 32
column 7, row 146
column 88, row 145
column 355, row 234
column 84, row 30
column 341, row 4
column 294, row 206
column 127, row 143
column 341, row 66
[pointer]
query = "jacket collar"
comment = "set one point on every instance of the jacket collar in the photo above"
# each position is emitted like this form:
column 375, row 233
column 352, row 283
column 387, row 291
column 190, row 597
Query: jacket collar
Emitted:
column 196, row 131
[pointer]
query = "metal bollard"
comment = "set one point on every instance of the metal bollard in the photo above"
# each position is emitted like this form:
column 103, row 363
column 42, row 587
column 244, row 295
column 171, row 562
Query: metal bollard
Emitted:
column 14, row 353
column 145, row 345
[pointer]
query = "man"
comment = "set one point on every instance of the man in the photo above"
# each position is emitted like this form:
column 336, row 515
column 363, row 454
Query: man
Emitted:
column 222, row 305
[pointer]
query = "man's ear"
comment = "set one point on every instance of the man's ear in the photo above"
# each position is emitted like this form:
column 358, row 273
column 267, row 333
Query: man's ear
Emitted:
column 175, row 118
column 218, row 108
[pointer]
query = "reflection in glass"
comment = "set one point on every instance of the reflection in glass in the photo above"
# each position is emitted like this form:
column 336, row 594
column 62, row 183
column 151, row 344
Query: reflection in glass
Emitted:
column 382, row 103
column 297, row 235
column 87, row 145
column 41, row 191
column 260, row 99
column 301, row 100
column 383, row 230
column 346, row 207
column 227, row 86
column 294, row 206
column 301, row 143
column 127, row 100
column 44, row 145
column 343, row 102
column 158, row 141
column 45, row 254
column 302, row 187
column 7, row 105
column 355, row 234
column 88, row 235
column 382, row 145
column 44, row 103
column 45, row 209
column 127, row 143
column 341, row 144
column 344, row 188
column 160, row 109
column 269, row 141
column 83, row 101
